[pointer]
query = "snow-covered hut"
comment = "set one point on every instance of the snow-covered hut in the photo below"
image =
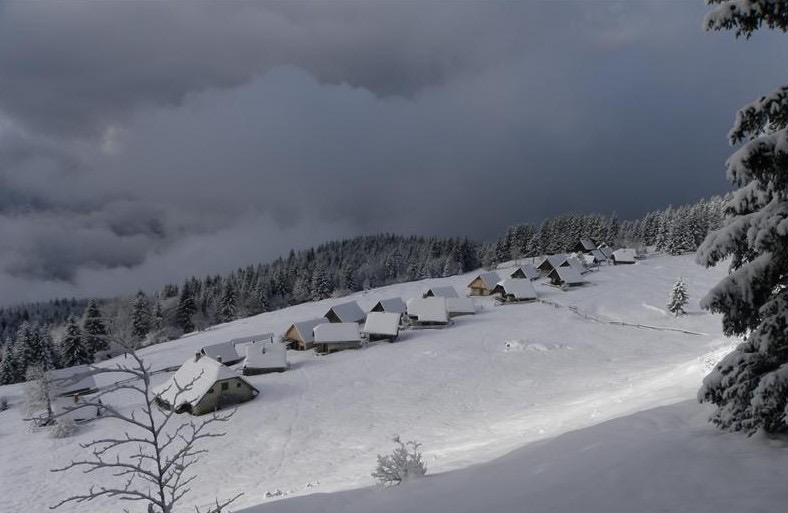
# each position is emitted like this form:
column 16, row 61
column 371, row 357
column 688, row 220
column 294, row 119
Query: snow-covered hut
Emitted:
column 607, row 251
column 576, row 264
column 336, row 336
column 428, row 312
column 345, row 312
column 483, row 284
column 584, row 246
column 240, row 343
column 598, row 257
column 551, row 262
column 71, row 381
column 457, row 306
column 391, row 305
column 301, row 334
column 224, row 352
column 624, row 256
column 526, row 271
column 441, row 292
column 565, row 277
column 203, row 385
column 382, row 326
column 265, row 356
column 515, row 290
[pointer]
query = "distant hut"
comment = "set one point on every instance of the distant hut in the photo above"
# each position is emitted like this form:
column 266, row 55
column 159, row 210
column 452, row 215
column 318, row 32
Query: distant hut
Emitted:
column 345, row 312
column 301, row 334
column 484, row 283
column 382, row 326
column 607, row 251
column 457, row 306
column 391, row 305
column 551, row 262
column 332, row 337
column 515, row 290
column 584, row 246
column 441, row 292
column 565, row 277
column 240, row 343
column 522, row 272
column 624, row 256
column 203, row 385
column 598, row 257
column 223, row 352
column 428, row 312
column 71, row 381
column 265, row 356
column 575, row 264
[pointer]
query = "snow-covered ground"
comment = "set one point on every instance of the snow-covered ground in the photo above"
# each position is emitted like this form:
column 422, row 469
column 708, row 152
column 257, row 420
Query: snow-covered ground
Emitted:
column 469, row 397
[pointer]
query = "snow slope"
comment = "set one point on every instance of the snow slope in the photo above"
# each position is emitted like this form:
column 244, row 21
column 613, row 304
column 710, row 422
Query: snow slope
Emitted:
column 460, row 391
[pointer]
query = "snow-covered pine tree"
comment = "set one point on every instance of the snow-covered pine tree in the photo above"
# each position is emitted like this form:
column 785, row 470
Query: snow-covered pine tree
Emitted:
column 94, row 329
column 678, row 298
column 9, row 368
column 186, row 309
column 73, row 348
column 48, row 357
column 321, row 287
column 228, row 304
column 750, row 385
column 141, row 316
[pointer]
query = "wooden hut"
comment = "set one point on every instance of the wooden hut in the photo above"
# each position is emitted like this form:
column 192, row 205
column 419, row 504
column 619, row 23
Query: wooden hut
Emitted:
column 428, row 312
column 457, row 306
column 515, row 290
column 441, row 292
column 484, row 283
column 522, row 272
column 71, row 381
column 551, row 262
column 332, row 337
column 223, row 352
column 265, row 356
column 565, row 277
column 345, row 312
column 623, row 256
column 300, row 335
column 382, row 326
column 391, row 305
column 584, row 246
column 203, row 385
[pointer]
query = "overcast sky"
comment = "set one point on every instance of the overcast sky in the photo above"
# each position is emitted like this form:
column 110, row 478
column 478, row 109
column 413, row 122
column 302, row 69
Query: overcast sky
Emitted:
column 142, row 142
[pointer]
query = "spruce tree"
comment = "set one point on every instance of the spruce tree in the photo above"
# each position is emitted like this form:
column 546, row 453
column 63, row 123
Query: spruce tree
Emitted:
column 9, row 367
column 25, row 350
column 73, row 347
column 228, row 304
column 678, row 298
column 94, row 329
column 141, row 317
column 186, row 308
column 750, row 385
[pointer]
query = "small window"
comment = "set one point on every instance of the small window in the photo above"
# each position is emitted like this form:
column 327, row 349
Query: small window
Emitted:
column 225, row 385
column 237, row 385
column 210, row 390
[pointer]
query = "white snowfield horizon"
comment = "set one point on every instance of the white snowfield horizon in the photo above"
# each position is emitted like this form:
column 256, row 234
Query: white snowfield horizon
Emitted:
column 612, row 408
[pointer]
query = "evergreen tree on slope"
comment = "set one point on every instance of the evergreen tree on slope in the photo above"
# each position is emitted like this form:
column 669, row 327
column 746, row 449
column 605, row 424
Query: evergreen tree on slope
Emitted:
column 73, row 348
column 94, row 329
column 750, row 385
column 678, row 298
column 141, row 317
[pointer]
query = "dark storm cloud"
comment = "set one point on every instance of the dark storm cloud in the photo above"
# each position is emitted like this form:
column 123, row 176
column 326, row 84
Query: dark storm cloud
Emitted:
column 149, row 141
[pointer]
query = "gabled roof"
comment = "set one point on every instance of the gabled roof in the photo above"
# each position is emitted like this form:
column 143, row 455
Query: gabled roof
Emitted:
column 337, row 332
column 567, row 275
column 442, row 292
column 527, row 270
column 305, row 329
column 624, row 255
column 252, row 338
column 576, row 264
column 488, row 279
column 519, row 289
column 461, row 305
column 199, row 373
column 587, row 244
column 393, row 304
column 552, row 261
column 606, row 251
column 266, row 355
column 347, row 312
column 224, row 350
column 382, row 323
column 428, row 309
column 599, row 256
column 72, row 379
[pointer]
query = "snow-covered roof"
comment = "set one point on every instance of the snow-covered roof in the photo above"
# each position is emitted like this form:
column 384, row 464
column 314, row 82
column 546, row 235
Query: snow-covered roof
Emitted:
column 599, row 255
column 606, row 251
column 428, row 309
column 252, row 338
column 347, row 312
column 567, row 275
column 528, row 271
column 461, row 305
column 520, row 289
column 587, row 244
column 266, row 355
column 201, row 372
column 72, row 379
column 489, row 279
column 576, row 264
column 306, row 328
column 552, row 261
column 337, row 332
column 224, row 350
column 382, row 323
column 392, row 304
column 442, row 292
column 624, row 255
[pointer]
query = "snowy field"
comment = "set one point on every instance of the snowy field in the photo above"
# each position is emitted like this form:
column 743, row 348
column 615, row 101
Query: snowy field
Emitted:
column 502, row 425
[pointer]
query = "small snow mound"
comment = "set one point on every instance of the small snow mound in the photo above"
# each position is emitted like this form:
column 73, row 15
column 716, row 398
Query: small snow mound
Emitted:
column 520, row 345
